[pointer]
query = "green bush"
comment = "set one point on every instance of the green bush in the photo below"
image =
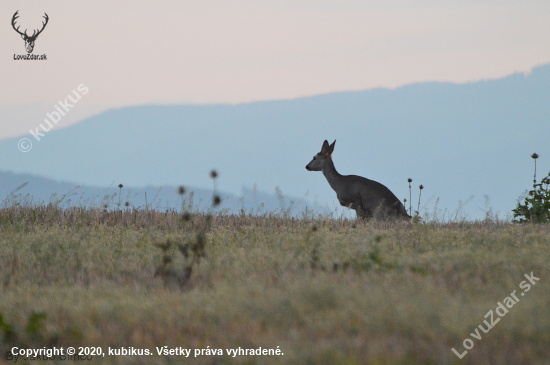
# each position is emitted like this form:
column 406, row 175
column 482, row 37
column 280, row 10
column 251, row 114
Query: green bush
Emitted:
column 536, row 205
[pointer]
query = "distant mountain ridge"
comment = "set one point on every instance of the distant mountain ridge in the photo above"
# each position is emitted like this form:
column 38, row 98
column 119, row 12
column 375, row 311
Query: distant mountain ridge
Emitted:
column 458, row 141
column 38, row 190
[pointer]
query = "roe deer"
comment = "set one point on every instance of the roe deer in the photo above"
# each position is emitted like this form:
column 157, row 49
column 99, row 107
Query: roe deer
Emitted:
column 369, row 198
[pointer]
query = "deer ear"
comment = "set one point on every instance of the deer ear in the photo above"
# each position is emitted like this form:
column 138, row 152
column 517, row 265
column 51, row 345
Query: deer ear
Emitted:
column 325, row 147
column 331, row 147
column 23, row 36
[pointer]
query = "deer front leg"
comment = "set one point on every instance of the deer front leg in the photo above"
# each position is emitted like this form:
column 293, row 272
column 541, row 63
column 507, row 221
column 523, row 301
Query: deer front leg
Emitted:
column 363, row 213
column 346, row 203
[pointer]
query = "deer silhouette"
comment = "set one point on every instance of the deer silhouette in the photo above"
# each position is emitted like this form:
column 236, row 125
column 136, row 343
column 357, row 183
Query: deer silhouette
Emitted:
column 368, row 198
column 29, row 40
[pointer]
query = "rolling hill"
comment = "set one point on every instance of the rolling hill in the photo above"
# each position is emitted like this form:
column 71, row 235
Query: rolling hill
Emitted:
column 458, row 140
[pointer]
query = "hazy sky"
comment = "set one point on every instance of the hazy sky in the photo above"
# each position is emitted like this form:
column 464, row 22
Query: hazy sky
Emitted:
column 164, row 52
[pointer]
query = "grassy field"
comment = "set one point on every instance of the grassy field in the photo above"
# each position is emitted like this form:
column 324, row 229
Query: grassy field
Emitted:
column 322, row 291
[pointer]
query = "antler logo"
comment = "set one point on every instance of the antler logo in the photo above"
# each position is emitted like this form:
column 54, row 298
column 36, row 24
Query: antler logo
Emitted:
column 29, row 40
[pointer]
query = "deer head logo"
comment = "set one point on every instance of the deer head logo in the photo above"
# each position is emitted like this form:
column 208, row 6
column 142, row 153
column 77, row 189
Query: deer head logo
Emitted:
column 29, row 40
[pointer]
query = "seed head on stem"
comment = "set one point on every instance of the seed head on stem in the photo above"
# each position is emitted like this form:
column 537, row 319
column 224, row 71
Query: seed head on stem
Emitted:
column 419, row 195
column 410, row 196
column 534, row 156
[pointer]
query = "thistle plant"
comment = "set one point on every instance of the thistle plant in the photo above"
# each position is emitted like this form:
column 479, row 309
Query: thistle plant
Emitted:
column 419, row 196
column 416, row 217
column 120, row 186
column 216, row 200
column 192, row 248
column 536, row 205
column 410, row 196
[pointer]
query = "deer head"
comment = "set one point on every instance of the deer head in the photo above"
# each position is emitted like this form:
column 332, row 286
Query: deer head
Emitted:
column 319, row 159
column 29, row 40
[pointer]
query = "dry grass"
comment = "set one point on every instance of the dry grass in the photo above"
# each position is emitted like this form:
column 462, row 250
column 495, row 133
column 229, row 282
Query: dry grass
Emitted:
column 345, row 292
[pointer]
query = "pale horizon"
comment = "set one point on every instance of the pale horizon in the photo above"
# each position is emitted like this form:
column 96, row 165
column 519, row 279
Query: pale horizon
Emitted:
column 134, row 53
